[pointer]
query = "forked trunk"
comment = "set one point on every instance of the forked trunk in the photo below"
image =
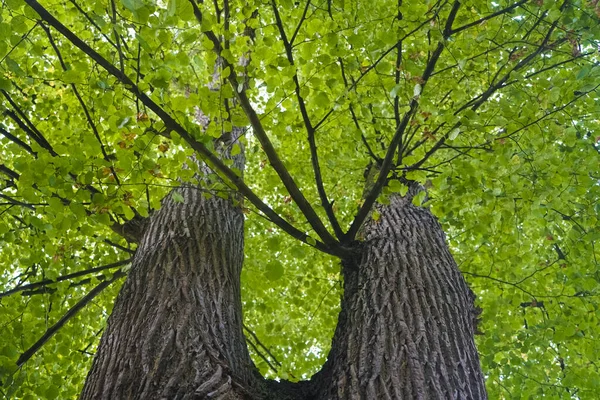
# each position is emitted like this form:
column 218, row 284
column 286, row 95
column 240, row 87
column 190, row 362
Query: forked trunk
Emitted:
column 405, row 330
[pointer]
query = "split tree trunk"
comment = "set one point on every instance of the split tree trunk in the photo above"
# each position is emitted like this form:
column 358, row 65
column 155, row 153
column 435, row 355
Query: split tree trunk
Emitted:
column 405, row 330
column 407, row 321
column 176, row 328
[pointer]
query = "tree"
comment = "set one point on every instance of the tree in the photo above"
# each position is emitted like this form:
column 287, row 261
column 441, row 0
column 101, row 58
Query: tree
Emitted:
column 306, row 150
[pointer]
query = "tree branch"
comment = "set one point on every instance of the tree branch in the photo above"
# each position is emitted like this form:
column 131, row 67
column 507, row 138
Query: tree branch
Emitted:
column 69, row 314
column 488, row 17
column 27, row 126
column 82, row 103
column 9, row 172
column 557, row 109
column 435, row 147
column 17, row 141
column 113, row 20
column 355, row 118
column 476, row 102
column 118, row 246
column 259, row 343
column 94, row 24
column 302, row 19
column 261, row 355
column 396, row 97
column 310, row 130
column 16, row 203
column 387, row 164
column 214, row 162
column 259, row 131
column 77, row 274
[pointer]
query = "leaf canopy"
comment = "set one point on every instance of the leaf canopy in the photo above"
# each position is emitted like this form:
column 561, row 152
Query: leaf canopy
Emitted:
column 493, row 106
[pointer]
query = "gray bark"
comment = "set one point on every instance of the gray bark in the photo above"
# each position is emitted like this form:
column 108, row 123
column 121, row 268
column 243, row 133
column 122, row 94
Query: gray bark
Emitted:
column 176, row 327
column 405, row 330
column 407, row 321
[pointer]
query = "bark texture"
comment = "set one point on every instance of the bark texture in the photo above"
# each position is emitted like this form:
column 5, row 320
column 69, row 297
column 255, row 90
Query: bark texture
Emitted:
column 176, row 328
column 407, row 321
column 405, row 330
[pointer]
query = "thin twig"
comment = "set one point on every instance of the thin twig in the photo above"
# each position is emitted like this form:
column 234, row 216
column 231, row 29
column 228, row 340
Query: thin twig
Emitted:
column 46, row 282
column 68, row 315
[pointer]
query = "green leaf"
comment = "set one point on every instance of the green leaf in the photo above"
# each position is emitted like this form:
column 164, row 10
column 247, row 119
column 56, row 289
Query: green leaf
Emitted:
column 52, row 392
column 133, row 5
column 403, row 190
column 419, row 198
column 235, row 150
column 395, row 90
column 321, row 99
column 172, row 8
column 376, row 215
column 177, row 197
column 14, row 66
column 453, row 134
column 273, row 243
column 274, row 270
column 5, row 84
column 583, row 72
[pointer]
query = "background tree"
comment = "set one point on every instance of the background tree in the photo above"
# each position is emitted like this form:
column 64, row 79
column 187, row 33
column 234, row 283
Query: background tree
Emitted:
column 122, row 155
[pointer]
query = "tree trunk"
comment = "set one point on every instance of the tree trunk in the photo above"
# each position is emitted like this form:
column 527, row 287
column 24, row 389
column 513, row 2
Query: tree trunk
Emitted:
column 407, row 321
column 176, row 328
column 405, row 330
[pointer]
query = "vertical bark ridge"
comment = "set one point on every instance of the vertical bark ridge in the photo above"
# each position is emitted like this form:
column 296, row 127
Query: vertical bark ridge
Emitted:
column 176, row 328
column 407, row 321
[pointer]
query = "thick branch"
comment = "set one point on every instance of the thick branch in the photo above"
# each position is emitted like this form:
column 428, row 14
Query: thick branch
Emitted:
column 214, row 162
column 9, row 172
column 266, row 144
column 17, row 141
column 387, row 164
column 310, row 129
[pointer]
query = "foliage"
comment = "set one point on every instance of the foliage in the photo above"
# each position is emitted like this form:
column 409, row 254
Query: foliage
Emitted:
column 494, row 107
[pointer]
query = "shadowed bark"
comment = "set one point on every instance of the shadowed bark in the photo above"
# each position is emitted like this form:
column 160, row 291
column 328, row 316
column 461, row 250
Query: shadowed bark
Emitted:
column 407, row 321
column 405, row 330
column 176, row 328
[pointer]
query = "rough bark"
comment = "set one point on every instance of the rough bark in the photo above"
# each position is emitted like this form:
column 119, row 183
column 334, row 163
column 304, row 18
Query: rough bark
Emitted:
column 405, row 330
column 176, row 327
column 407, row 321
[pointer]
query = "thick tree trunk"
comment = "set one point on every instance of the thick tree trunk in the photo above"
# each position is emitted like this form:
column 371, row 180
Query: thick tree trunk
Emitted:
column 405, row 330
column 407, row 321
column 176, row 328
